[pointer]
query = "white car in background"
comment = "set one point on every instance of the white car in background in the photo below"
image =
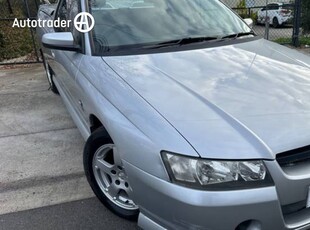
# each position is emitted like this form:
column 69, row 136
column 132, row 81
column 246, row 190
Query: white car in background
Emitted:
column 278, row 14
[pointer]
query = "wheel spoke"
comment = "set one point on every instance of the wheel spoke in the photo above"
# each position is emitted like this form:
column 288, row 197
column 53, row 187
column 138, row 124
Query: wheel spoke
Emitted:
column 113, row 190
column 129, row 192
column 104, row 166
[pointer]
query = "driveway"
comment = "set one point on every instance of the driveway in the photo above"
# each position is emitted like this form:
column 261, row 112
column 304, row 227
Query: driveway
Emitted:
column 41, row 160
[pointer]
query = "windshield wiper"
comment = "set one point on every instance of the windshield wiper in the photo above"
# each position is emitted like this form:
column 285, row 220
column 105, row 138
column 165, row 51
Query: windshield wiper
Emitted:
column 183, row 41
column 238, row 35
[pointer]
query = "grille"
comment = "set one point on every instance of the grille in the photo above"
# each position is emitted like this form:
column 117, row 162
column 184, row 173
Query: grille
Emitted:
column 292, row 208
column 294, row 157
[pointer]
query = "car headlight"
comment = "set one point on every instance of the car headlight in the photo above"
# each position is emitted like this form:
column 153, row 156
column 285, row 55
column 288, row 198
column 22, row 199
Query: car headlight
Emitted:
column 216, row 174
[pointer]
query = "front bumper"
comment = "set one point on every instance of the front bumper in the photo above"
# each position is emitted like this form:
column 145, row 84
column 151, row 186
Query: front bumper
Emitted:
column 286, row 20
column 169, row 206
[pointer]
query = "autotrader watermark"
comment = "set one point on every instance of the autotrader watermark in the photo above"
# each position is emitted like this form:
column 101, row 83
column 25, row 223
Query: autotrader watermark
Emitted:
column 83, row 22
column 57, row 23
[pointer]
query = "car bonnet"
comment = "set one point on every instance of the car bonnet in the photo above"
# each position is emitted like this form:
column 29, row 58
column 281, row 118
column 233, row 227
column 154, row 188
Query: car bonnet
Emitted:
column 244, row 101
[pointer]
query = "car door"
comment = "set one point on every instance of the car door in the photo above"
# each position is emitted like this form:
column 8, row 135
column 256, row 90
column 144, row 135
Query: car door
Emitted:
column 66, row 63
column 272, row 11
column 262, row 15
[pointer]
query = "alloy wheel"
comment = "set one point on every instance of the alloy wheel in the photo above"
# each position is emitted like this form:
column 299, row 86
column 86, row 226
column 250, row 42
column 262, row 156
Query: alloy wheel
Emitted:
column 111, row 177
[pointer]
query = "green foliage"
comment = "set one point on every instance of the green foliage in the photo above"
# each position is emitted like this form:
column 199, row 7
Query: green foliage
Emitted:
column 241, row 4
column 254, row 17
column 14, row 42
column 245, row 12
column 303, row 40
column 241, row 9
column 18, row 6
column 306, row 16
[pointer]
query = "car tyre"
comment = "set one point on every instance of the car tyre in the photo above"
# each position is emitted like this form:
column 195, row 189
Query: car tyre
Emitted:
column 50, row 75
column 275, row 22
column 106, row 175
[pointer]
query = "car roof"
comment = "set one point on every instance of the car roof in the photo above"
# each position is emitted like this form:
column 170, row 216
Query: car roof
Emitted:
column 278, row 3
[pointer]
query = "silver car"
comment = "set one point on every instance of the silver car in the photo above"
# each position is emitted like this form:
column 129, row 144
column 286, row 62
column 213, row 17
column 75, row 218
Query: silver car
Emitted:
column 191, row 120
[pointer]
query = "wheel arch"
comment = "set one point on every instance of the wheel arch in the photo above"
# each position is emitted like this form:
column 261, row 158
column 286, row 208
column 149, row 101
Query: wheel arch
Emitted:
column 95, row 123
column 277, row 18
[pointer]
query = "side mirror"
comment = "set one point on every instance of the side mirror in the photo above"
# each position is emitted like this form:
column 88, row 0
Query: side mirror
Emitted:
column 249, row 22
column 60, row 41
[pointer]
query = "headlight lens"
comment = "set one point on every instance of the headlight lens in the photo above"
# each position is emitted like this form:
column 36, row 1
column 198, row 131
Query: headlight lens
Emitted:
column 213, row 174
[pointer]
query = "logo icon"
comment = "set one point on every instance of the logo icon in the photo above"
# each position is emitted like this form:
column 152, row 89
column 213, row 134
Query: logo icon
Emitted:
column 84, row 22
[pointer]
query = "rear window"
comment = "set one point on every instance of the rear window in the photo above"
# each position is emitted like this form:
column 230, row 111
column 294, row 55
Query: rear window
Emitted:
column 287, row 7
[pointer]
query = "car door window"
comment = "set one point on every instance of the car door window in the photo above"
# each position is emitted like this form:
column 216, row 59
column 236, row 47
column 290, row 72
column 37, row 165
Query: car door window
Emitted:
column 67, row 10
column 73, row 10
column 62, row 15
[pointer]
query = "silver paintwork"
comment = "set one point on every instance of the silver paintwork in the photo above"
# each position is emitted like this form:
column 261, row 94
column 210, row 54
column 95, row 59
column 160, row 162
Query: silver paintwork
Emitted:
column 62, row 39
column 249, row 100
column 147, row 223
column 242, row 94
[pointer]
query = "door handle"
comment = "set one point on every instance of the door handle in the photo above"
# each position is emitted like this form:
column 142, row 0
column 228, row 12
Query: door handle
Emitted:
column 81, row 105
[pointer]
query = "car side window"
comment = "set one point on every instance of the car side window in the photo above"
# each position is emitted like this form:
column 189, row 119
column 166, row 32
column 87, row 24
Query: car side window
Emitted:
column 67, row 10
column 73, row 10
column 62, row 15
column 273, row 7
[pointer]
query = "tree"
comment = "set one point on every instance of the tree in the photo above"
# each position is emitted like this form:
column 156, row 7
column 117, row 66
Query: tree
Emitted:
column 241, row 9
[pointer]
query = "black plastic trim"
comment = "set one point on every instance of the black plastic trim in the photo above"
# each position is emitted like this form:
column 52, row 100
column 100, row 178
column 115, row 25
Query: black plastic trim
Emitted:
column 128, row 50
column 76, row 48
column 294, row 156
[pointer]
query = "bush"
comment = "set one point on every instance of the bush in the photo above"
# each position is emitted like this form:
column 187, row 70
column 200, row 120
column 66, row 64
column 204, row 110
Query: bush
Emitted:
column 302, row 40
column 241, row 9
column 18, row 5
column 1, row 40
column 254, row 17
column 245, row 12
column 306, row 16
column 14, row 42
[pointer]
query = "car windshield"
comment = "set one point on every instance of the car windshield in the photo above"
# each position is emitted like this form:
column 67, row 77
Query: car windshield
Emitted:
column 145, row 24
